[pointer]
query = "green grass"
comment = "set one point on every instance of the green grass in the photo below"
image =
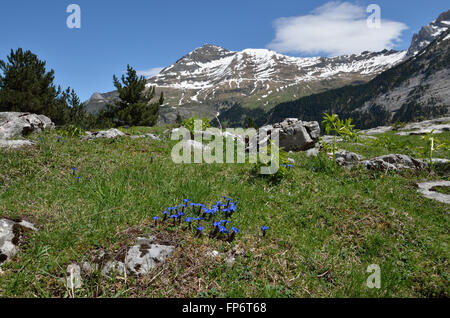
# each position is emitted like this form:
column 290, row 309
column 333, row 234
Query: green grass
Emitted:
column 326, row 227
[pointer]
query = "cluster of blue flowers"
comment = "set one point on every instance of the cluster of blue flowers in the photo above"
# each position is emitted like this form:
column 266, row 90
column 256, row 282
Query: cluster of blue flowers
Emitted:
column 287, row 166
column 191, row 213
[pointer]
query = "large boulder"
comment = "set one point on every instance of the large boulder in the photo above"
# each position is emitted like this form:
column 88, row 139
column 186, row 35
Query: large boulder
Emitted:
column 294, row 134
column 13, row 124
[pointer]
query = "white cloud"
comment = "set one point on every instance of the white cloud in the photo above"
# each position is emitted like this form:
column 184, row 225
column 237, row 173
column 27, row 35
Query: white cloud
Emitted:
column 336, row 28
column 151, row 72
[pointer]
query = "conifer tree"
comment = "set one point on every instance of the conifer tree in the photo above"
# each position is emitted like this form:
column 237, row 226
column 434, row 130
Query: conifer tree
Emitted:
column 25, row 85
column 134, row 106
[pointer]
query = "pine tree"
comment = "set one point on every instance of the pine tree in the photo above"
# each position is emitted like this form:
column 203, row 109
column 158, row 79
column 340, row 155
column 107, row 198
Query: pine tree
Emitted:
column 134, row 107
column 251, row 123
column 26, row 86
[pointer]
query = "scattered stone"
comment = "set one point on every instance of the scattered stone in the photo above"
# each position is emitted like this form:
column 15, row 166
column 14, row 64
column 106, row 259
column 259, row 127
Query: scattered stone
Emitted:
column 10, row 232
column 377, row 130
column 230, row 260
column 194, row 145
column 346, row 158
column 213, row 254
column 143, row 257
column 74, row 280
column 426, row 188
column 108, row 134
column 14, row 124
column 290, row 160
column 394, row 162
column 314, row 152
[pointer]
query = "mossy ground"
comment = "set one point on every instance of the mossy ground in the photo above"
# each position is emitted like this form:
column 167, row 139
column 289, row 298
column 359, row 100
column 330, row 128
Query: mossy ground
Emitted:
column 326, row 226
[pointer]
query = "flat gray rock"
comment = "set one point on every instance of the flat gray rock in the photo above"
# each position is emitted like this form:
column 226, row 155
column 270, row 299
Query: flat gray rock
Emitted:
column 426, row 188
column 143, row 257
column 346, row 158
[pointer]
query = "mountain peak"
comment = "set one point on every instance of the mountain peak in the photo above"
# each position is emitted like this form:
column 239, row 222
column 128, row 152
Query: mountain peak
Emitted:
column 429, row 33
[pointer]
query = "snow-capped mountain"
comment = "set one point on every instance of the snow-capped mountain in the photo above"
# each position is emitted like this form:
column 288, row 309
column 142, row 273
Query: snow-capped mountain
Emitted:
column 429, row 33
column 214, row 76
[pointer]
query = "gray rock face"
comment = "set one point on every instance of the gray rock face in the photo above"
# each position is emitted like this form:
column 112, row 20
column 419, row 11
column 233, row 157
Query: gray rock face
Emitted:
column 9, row 235
column 108, row 134
column 294, row 134
column 429, row 33
column 15, row 144
column 145, row 256
column 14, row 124
column 427, row 189
column 394, row 163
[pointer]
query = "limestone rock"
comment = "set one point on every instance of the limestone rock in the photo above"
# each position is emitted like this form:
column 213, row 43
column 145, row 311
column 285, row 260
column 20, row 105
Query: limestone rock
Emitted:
column 108, row 134
column 142, row 258
column 14, row 124
column 9, row 236
column 426, row 188
column 74, row 280
column 294, row 134
column 394, row 162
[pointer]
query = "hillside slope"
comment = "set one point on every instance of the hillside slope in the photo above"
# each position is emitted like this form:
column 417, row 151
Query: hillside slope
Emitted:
column 416, row 88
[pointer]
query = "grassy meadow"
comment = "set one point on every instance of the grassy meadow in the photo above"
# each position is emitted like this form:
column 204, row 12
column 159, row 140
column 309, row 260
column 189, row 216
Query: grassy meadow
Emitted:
column 326, row 226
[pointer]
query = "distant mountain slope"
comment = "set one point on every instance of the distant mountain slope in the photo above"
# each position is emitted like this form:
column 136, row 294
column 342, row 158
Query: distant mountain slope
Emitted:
column 429, row 33
column 416, row 88
column 212, row 79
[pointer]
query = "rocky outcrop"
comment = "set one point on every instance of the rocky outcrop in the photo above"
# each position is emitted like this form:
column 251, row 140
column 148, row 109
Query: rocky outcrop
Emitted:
column 14, row 124
column 394, row 163
column 436, row 126
column 428, row 190
column 11, row 233
column 346, row 158
column 108, row 134
column 294, row 134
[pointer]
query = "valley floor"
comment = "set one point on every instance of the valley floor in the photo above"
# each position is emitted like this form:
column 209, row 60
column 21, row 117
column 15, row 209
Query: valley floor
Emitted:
column 326, row 226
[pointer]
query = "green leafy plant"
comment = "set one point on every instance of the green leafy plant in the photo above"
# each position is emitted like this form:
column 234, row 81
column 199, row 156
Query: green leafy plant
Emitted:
column 70, row 131
column 432, row 144
column 332, row 123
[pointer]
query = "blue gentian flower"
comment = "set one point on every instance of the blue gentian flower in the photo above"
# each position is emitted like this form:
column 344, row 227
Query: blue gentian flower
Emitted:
column 235, row 230
column 200, row 228
column 264, row 228
column 188, row 220
column 223, row 229
column 156, row 218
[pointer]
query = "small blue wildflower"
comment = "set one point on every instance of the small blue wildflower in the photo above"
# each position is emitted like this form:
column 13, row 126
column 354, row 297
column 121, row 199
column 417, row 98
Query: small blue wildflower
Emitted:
column 264, row 228
column 223, row 229
column 188, row 220
column 217, row 224
column 156, row 218
column 235, row 230
column 166, row 212
column 200, row 228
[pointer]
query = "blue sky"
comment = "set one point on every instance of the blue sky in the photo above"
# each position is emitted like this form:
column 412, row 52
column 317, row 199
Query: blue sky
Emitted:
column 149, row 34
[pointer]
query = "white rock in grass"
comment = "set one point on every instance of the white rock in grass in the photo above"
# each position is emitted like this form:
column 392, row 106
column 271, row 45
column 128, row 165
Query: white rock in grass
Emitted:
column 113, row 267
column 15, row 144
column 74, row 280
column 108, row 134
column 426, row 188
column 142, row 258
column 14, row 124
column 9, row 235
